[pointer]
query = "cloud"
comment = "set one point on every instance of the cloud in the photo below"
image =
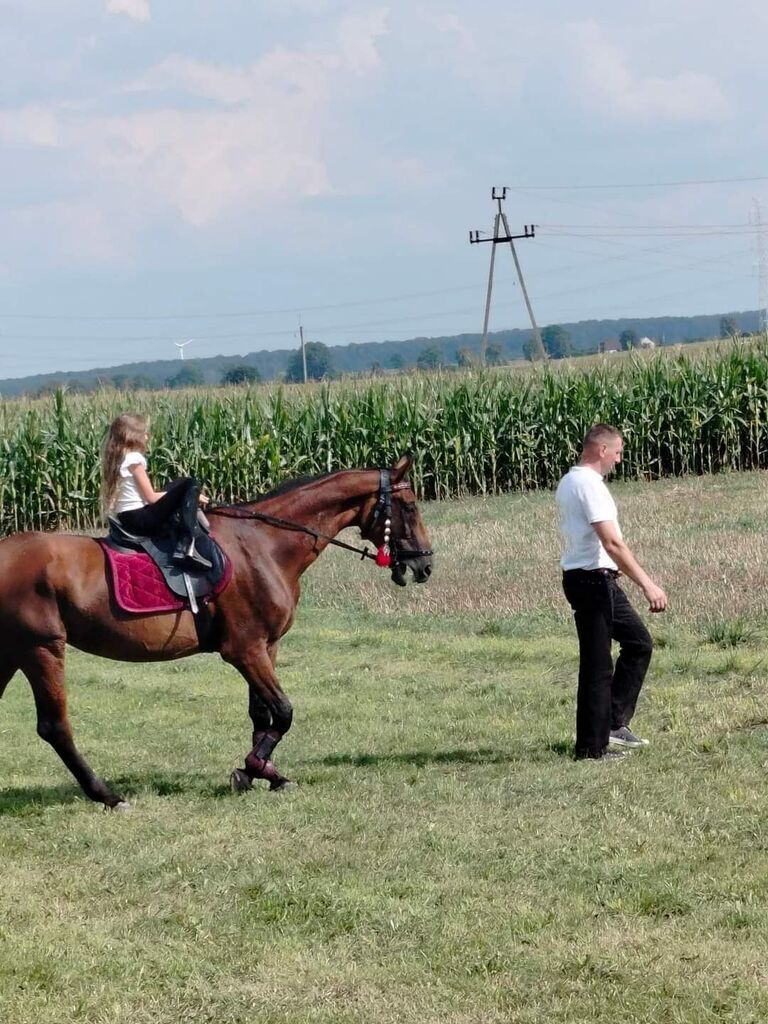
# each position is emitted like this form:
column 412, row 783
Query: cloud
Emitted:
column 136, row 9
column 458, row 50
column 358, row 34
column 238, row 138
column 208, row 165
column 279, row 75
column 409, row 172
column 35, row 125
column 74, row 231
column 452, row 25
column 213, row 144
column 608, row 84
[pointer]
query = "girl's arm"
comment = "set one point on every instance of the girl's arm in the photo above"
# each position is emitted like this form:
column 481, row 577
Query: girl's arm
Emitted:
column 146, row 490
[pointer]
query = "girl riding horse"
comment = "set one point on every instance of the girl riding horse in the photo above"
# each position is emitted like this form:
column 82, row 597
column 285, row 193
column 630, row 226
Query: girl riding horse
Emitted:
column 127, row 492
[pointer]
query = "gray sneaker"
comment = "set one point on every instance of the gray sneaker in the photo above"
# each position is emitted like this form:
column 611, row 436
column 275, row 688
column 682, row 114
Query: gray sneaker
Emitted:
column 614, row 755
column 624, row 737
column 608, row 755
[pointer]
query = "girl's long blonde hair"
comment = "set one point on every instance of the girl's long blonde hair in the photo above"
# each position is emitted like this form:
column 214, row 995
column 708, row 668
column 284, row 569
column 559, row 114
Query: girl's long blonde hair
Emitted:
column 127, row 433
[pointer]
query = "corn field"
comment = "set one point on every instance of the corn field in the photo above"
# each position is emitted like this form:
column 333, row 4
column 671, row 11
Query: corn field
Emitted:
column 470, row 434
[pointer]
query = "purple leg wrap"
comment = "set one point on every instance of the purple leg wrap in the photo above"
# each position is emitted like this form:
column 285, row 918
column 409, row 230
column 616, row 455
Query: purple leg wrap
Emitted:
column 258, row 768
column 257, row 763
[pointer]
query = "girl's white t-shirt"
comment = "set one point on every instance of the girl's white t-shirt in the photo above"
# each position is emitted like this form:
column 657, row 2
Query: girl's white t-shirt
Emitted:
column 583, row 500
column 127, row 494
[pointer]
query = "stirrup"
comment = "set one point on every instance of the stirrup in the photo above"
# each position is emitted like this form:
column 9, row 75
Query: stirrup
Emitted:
column 199, row 561
column 191, row 557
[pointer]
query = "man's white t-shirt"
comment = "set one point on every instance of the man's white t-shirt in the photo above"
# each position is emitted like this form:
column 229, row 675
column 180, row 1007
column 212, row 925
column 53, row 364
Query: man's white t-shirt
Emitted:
column 583, row 499
column 128, row 496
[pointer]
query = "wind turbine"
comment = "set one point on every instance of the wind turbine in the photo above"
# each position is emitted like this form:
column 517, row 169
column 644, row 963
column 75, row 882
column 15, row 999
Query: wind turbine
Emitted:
column 181, row 345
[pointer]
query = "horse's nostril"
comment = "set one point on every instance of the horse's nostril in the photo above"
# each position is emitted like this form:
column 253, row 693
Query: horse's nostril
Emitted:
column 427, row 570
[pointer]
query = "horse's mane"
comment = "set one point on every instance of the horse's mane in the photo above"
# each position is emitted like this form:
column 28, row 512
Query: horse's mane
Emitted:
column 291, row 485
column 284, row 488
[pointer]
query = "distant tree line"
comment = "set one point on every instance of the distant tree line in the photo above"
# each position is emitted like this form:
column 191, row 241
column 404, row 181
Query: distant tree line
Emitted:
column 324, row 362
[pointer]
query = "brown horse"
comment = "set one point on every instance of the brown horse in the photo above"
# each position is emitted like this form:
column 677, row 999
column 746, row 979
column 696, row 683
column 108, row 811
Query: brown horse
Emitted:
column 54, row 591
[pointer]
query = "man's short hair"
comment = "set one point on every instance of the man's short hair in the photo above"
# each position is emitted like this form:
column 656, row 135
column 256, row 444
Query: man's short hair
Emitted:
column 601, row 433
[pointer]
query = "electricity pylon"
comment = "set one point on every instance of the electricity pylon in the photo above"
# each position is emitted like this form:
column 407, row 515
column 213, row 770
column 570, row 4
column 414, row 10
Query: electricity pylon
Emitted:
column 498, row 195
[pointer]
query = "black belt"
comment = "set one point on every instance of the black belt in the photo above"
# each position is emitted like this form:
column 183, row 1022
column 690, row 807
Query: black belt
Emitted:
column 573, row 573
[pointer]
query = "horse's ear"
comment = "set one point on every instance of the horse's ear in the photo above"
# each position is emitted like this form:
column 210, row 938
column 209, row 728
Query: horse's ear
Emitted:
column 400, row 469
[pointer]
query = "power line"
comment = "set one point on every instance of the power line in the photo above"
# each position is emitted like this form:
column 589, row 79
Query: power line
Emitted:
column 628, row 256
column 671, row 295
column 259, row 312
column 632, row 232
column 606, row 313
column 648, row 227
column 643, row 277
column 250, row 334
column 393, row 321
column 369, row 325
column 642, row 184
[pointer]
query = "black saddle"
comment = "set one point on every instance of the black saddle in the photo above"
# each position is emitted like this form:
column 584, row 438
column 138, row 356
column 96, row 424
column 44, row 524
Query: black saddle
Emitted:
column 160, row 548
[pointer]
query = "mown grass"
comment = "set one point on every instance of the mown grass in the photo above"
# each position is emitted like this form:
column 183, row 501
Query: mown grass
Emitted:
column 444, row 859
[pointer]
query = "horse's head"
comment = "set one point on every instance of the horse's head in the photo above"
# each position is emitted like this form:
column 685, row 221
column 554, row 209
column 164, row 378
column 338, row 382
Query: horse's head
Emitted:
column 395, row 520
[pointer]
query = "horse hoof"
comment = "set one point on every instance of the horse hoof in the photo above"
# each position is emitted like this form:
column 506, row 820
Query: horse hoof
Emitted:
column 282, row 786
column 122, row 808
column 239, row 782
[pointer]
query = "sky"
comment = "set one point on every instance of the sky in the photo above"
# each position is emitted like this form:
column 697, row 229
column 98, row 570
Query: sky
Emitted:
column 219, row 172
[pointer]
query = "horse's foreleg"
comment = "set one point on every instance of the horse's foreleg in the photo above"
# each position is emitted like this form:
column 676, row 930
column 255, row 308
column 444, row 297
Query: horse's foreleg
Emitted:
column 271, row 714
column 7, row 672
column 44, row 668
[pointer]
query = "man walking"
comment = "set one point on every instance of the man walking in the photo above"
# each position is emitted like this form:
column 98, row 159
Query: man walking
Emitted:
column 593, row 555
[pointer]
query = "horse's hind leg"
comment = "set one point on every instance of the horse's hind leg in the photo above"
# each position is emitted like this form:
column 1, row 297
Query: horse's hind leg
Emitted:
column 271, row 714
column 44, row 668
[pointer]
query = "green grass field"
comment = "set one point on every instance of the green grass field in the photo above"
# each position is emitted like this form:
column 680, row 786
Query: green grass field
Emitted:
column 443, row 860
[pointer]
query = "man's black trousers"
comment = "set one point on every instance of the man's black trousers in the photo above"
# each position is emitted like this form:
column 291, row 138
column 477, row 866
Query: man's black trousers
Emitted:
column 606, row 696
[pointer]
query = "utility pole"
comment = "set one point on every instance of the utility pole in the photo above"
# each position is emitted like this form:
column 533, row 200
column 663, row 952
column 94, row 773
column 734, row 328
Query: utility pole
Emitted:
column 498, row 195
column 762, row 268
column 303, row 353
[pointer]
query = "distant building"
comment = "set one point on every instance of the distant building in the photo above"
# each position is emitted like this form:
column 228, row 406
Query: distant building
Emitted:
column 608, row 346
column 646, row 343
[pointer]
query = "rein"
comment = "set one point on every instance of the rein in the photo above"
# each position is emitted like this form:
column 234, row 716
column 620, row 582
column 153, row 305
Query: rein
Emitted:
column 383, row 505
column 235, row 512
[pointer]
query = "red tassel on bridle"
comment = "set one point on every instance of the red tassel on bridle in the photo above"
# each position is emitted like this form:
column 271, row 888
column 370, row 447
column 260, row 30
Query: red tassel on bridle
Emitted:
column 383, row 557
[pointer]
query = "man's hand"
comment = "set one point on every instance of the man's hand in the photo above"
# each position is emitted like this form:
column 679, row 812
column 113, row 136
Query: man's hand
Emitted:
column 617, row 549
column 657, row 599
column 203, row 500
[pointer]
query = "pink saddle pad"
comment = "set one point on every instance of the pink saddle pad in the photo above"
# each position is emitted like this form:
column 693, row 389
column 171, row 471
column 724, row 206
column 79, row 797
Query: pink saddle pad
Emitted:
column 139, row 588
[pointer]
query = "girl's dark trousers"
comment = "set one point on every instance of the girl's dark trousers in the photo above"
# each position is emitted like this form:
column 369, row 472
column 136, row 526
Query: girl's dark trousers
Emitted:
column 176, row 510
column 607, row 695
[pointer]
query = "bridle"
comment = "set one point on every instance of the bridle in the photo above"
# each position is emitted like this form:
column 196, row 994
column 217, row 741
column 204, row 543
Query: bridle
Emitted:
column 397, row 555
